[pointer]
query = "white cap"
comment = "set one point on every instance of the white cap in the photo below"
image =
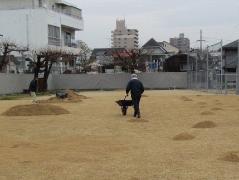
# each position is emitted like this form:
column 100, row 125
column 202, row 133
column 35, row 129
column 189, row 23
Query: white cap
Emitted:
column 134, row 76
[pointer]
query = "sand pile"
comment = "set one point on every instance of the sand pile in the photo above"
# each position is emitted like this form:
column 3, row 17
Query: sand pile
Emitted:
column 35, row 110
column 206, row 113
column 231, row 157
column 202, row 103
column 217, row 109
column 72, row 97
column 205, row 124
column 183, row 137
column 184, row 98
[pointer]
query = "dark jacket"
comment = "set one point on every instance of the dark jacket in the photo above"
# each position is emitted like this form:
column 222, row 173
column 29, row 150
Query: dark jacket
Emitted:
column 33, row 86
column 135, row 87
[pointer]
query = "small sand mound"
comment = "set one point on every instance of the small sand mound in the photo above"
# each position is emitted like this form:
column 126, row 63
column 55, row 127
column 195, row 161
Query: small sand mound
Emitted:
column 205, row 124
column 184, row 98
column 35, row 110
column 217, row 109
column 231, row 157
column 183, row 137
column 202, row 103
column 206, row 113
column 72, row 97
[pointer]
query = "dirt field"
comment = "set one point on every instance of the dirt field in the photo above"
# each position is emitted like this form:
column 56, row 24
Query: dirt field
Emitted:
column 94, row 141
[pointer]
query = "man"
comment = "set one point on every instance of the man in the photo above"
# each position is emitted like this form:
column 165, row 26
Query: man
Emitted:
column 33, row 89
column 137, row 89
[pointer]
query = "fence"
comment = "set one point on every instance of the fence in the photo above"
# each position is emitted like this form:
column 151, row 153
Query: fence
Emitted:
column 14, row 83
column 212, row 82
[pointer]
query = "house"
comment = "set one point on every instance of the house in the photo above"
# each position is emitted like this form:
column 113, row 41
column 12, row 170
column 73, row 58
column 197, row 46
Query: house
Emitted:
column 230, row 56
column 41, row 24
column 155, row 53
column 179, row 63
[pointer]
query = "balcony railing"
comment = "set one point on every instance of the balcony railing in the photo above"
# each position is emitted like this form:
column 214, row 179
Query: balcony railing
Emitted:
column 69, row 12
column 59, row 42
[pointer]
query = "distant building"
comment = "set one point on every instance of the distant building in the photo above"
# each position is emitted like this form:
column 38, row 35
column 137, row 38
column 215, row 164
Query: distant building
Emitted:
column 230, row 55
column 123, row 37
column 41, row 24
column 182, row 43
column 38, row 24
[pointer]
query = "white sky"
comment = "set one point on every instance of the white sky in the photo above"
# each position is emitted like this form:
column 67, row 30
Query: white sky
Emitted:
column 161, row 19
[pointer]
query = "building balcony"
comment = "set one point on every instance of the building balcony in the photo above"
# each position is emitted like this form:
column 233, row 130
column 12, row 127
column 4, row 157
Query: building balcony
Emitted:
column 77, row 15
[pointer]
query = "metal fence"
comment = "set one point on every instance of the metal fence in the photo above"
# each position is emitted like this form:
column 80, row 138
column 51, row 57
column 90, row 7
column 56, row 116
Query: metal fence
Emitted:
column 206, row 73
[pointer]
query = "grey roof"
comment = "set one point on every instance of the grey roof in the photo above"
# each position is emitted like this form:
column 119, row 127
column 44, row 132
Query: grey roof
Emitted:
column 152, row 43
column 105, row 51
column 232, row 45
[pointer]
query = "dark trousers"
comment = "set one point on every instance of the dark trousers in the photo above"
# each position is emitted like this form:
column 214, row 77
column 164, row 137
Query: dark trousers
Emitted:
column 136, row 102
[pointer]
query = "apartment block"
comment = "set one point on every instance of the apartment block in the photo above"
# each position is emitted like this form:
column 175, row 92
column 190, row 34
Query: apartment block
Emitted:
column 182, row 43
column 124, row 38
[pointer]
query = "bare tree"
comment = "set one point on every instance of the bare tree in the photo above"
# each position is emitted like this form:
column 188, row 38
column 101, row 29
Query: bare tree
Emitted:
column 83, row 54
column 44, row 61
column 6, row 48
column 128, row 59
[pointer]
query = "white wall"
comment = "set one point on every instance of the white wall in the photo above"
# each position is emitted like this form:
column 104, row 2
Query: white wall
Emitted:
column 16, row 4
column 25, row 26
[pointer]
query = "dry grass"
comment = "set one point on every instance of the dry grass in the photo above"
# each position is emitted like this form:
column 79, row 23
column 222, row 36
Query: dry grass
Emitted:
column 95, row 141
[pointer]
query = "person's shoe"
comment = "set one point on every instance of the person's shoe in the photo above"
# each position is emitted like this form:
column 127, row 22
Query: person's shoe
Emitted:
column 139, row 116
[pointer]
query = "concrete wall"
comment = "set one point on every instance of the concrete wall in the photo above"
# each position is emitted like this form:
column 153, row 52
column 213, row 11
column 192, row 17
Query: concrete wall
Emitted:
column 15, row 83
column 119, row 81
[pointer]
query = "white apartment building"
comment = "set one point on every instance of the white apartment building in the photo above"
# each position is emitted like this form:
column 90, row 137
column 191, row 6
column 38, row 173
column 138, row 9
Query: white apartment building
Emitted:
column 39, row 24
column 124, row 38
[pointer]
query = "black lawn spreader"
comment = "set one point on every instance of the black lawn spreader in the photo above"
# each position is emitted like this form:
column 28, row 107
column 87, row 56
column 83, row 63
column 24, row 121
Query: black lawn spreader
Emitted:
column 124, row 104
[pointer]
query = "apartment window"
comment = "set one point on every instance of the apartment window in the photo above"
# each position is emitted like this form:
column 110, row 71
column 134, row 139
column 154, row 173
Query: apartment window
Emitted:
column 67, row 39
column 54, row 35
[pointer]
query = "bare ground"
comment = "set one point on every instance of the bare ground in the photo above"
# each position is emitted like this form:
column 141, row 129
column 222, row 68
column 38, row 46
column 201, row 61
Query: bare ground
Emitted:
column 95, row 142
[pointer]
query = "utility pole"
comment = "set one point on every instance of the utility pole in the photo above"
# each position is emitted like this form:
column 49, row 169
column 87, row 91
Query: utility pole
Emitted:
column 200, row 55
column 237, row 76
column 201, row 41
column 207, row 69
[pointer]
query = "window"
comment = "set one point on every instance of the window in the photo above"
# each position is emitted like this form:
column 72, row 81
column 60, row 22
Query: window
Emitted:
column 67, row 39
column 54, row 35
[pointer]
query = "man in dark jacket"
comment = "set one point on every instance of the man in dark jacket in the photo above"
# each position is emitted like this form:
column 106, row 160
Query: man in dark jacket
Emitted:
column 136, row 88
column 33, row 89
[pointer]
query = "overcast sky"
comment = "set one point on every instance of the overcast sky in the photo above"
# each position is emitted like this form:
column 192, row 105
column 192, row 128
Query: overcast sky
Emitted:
column 160, row 19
